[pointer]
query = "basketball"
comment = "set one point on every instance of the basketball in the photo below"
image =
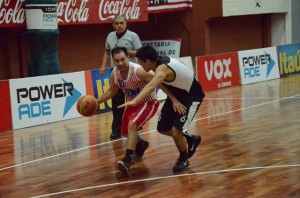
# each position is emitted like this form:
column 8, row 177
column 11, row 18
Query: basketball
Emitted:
column 87, row 105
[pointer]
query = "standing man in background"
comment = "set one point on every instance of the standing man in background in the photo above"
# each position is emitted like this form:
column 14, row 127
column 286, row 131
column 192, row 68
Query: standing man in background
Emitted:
column 121, row 37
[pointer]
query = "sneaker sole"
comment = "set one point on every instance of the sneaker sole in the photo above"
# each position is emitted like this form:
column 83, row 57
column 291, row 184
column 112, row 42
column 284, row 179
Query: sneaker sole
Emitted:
column 114, row 137
column 123, row 168
column 187, row 165
column 192, row 152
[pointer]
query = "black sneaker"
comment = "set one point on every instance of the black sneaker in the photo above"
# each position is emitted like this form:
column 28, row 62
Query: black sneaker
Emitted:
column 124, row 167
column 115, row 135
column 140, row 149
column 193, row 143
column 181, row 165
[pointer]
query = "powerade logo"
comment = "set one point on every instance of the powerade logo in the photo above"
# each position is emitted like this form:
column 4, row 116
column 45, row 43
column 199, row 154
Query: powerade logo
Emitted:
column 49, row 18
column 253, row 65
column 49, row 14
column 40, row 98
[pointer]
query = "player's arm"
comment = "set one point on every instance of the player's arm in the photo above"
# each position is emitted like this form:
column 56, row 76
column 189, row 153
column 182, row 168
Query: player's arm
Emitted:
column 148, row 76
column 149, row 88
column 177, row 105
column 131, row 53
column 111, row 92
column 142, row 74
column 105, row 61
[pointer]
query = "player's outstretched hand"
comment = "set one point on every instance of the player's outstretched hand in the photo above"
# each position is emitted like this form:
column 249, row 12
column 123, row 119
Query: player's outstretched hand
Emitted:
column 129, row 103
column 179, row 107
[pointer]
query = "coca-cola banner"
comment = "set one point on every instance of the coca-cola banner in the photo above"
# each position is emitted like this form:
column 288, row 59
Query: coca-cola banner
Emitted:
column 70, row 12
column 158, row 6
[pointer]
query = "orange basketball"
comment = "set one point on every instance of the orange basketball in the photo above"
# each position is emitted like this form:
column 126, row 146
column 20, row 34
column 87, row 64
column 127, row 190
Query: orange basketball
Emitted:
column 87, row 105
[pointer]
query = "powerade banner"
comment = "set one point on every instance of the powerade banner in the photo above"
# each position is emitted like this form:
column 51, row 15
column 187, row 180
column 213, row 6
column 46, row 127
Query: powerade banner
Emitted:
column 218, row 71
column 41, row 16
column 45, row 99
column 78, row 12
column 258, row 65
column 289, row 58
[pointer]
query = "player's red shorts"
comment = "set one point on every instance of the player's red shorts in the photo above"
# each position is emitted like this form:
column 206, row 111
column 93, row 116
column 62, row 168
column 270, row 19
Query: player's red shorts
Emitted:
column 138, row 114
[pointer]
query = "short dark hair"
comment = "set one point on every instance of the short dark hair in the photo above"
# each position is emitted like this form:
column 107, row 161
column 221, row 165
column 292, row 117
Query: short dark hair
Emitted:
column 147, row 52
column 117, row 50
column 119, row 17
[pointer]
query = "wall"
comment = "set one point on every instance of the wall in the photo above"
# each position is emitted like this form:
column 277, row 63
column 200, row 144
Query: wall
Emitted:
column 278, row 29
column 82, row 47
column 295, row 7
column 10, row 41
column 228, row 34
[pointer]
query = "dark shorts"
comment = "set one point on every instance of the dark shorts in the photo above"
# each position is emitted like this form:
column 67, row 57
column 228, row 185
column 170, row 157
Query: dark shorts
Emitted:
column 169, row 118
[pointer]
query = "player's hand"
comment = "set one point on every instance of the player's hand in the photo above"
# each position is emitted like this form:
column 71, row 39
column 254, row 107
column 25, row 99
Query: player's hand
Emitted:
column 129, row 103
column 102, row 70
column 179, row 107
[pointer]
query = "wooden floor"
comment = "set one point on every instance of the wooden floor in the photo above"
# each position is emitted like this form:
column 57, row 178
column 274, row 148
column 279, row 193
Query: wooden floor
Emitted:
column 250, row 148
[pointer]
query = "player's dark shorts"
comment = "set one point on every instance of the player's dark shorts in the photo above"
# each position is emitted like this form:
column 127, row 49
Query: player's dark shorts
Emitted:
column 192, row 101
column 169, row 118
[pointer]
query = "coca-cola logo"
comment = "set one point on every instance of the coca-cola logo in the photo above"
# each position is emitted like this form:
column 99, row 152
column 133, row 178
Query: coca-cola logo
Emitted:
column 77, row 11
column 109, row 8
column 10, row 14
column 68, row 12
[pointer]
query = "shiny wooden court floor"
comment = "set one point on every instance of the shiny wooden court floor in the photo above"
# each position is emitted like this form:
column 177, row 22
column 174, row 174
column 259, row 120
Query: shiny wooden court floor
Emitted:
column 250, row 148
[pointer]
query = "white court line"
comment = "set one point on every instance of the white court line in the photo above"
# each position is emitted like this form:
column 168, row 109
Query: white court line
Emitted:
column 167, row 177
column 87, row 147
column 249, row 98
column 247, row 107
column 29, row 162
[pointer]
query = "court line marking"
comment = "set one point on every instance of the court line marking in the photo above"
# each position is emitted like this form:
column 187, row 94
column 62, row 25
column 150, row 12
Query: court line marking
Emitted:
column 261, row 104
column 266, row 98
column 167, row 177
column 64, row 153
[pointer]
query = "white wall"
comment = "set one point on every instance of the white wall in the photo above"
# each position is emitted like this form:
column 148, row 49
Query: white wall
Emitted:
column 278, row 29
column 295, row 7
column 247, row 7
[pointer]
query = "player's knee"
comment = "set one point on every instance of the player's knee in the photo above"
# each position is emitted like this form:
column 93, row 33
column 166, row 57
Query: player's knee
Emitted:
column 132, row 126
column 177, row 134
column 164, row 131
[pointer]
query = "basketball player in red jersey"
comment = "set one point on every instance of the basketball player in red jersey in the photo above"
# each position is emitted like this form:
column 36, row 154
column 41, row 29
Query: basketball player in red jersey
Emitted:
column 131, row 78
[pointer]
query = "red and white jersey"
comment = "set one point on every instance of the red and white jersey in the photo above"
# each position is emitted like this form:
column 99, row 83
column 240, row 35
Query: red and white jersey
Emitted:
column 132, row 85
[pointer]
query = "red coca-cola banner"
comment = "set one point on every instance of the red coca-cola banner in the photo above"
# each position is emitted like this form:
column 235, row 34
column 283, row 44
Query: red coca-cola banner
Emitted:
column 70, row 12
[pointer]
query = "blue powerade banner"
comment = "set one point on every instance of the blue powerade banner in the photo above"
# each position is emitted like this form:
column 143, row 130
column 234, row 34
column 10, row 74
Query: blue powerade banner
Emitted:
column 289, row 59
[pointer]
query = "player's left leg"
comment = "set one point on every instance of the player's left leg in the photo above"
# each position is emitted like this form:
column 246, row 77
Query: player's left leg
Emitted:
column 136, row 119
